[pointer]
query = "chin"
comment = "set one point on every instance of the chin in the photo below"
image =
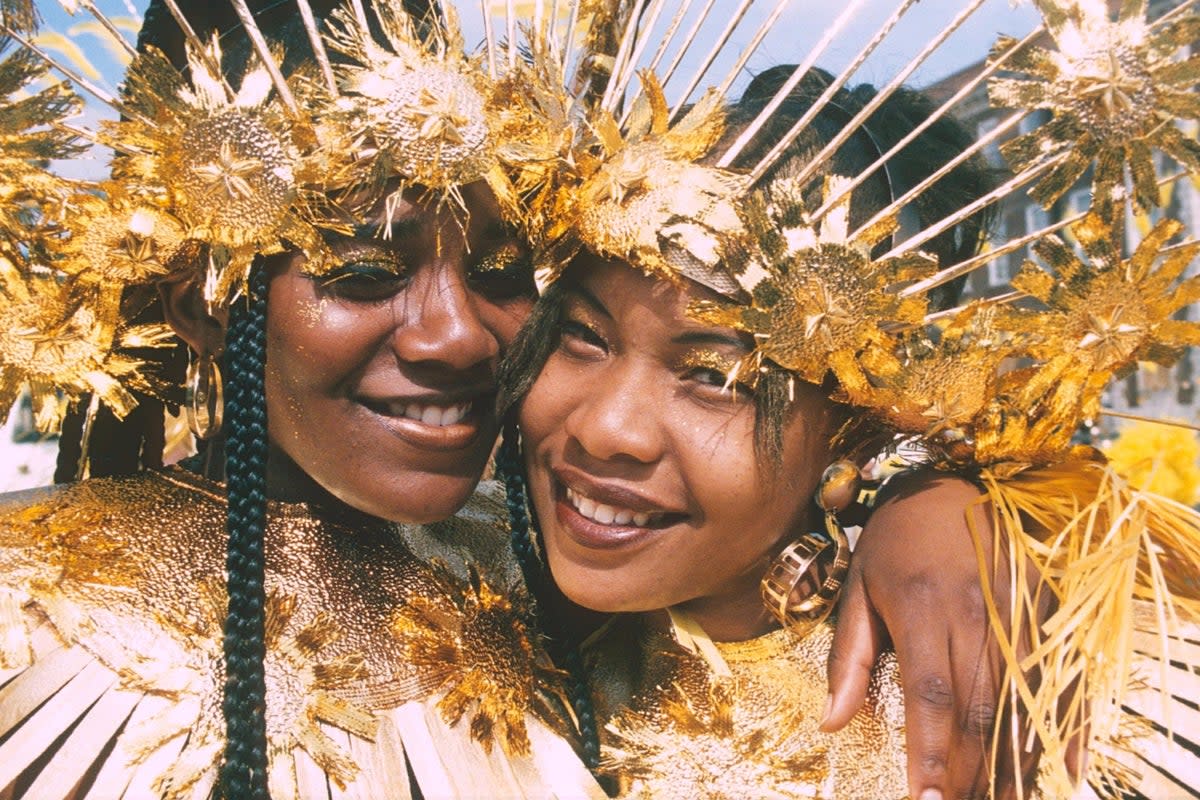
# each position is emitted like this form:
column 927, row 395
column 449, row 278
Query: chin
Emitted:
column 416, row 501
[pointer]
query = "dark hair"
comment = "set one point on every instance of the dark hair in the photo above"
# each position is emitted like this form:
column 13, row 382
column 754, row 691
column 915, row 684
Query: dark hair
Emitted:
column 562, row 642
column 899, row 114
column 124, row 447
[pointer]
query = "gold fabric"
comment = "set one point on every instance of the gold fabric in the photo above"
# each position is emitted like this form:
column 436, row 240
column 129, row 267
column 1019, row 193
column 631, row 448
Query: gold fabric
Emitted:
column 112, row 591
column 675, row 730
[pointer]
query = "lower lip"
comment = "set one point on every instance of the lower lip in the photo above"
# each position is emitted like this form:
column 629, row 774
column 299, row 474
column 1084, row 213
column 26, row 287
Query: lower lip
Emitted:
column 442, row 438
column 595, row 536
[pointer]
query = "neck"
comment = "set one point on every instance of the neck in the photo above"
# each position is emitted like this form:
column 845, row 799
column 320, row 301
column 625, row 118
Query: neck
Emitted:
column 734, row 617
column 286, row 481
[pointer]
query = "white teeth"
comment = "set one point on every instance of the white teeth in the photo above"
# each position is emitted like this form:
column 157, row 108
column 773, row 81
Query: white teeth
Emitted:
column 430, row 415
column 606, row 514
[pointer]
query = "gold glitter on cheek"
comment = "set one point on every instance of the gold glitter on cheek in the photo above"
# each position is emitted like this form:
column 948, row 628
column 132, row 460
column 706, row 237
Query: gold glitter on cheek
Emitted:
column 312, row 312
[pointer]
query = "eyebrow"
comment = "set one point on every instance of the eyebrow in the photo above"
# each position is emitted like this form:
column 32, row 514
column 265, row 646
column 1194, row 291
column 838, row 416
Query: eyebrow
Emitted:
column 702, row 337
column 590, row 299
column 400, row 228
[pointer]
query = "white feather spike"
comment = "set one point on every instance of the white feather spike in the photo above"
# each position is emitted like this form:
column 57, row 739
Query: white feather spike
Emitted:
column 264, row 53
column 360, row 14
column 669, row 35
column 489, row 38
column 72, row 75
column 995, row 300
column 539, row 16
column 883, row 94
column 1004, row 126
column 189, row 35
column 1177, row 11
column 630, row 67
column 750, row 49
column 718, row 46
column 975, row 262
column 1012, row 245
column 568, row 42
column 802, row 68
column 608, row 100
column 837, row 84
column 994, row 66
column 318, row 45
column 688, row 41
column 1174, row 423
column 676, row 21
column 108, row 25
column 510, row 24
column 1005, row 189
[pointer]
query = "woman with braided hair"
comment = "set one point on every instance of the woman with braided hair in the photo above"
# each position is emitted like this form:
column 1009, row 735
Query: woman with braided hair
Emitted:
column 298, row 609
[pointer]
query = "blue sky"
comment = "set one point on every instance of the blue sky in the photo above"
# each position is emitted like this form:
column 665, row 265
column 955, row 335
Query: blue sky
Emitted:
column 788, row 41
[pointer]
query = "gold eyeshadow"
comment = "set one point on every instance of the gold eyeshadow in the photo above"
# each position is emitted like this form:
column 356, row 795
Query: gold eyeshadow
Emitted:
column 708, row 359
column 502, row 259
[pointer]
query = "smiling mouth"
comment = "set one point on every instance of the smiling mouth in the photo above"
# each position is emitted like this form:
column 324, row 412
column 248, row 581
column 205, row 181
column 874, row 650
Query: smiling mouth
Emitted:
column 616, row 516
column 438, row 416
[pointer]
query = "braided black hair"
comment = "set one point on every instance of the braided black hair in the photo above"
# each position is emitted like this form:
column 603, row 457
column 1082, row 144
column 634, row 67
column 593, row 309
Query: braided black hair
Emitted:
column 244, row 770
column 561, row 642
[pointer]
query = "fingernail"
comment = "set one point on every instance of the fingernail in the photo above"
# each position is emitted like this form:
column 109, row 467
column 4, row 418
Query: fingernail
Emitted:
column 931, row 794
column 828, row 710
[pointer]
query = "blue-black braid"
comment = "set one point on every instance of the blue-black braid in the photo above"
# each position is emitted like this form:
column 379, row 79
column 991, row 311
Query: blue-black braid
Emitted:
column 244, row 770
column 563, row 645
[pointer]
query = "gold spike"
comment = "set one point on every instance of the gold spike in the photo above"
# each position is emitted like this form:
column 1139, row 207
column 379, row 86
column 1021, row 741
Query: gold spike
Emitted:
column 264, row 53
column 1174, row 423
column 834, row 87
column 883, row 94
column 802, row 68
column 318, row 45
column 699, row 73
column 941, row 111
column 189, row 35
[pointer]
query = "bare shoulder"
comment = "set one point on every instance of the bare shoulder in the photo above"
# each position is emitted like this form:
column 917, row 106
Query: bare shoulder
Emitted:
column 929, row 499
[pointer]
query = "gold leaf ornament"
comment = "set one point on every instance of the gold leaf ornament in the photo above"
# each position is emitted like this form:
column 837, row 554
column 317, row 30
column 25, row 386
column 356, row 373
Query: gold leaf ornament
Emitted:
column 1115, row 89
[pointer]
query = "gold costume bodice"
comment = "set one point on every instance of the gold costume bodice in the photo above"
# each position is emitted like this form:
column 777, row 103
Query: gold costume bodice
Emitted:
column 675, row 729
column 379, row 663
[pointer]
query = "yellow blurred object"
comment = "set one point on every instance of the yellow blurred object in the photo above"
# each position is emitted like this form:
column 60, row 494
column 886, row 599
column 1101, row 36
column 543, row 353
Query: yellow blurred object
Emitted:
column 1159, row 458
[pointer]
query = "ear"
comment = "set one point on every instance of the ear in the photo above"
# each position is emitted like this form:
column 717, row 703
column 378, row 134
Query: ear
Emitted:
column 186, row 312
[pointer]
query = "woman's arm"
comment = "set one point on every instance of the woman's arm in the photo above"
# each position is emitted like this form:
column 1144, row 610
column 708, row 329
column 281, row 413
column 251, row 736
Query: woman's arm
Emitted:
column 914, row 583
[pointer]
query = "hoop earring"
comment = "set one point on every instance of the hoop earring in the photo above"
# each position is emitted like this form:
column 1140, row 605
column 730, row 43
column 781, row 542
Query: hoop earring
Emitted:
column 205, row 399
column 802, row 584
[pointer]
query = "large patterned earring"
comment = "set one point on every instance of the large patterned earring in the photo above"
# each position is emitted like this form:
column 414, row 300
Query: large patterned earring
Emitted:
column 205, row 399
column 802, row 583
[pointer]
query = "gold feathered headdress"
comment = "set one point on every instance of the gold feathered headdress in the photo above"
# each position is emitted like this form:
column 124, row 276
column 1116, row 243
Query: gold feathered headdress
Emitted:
column 994, row 389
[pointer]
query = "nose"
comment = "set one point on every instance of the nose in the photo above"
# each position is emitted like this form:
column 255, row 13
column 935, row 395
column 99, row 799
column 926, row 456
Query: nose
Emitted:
column 440, row 321
column 618, row 416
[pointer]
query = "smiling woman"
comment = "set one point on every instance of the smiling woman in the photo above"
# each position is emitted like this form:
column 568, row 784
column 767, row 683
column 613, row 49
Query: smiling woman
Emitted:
column 269, row 617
